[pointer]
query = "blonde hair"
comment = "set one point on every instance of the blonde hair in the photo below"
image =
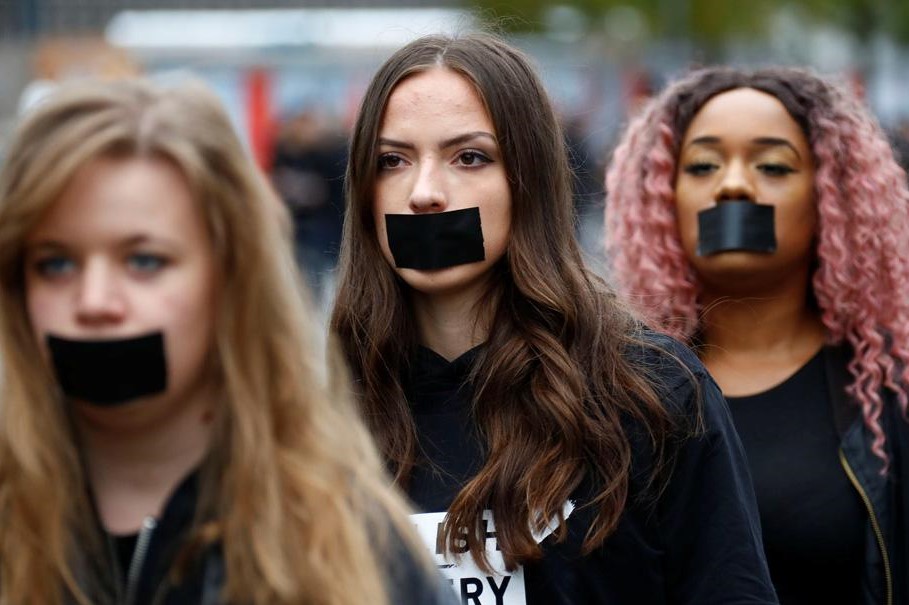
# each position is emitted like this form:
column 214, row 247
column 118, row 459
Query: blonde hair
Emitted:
column 295, row 490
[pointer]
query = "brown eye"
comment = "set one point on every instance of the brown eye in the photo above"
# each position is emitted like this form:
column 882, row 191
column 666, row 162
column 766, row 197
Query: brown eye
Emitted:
column 699, row 168
column 473, row 158
column 388, row 161
column 775, row 169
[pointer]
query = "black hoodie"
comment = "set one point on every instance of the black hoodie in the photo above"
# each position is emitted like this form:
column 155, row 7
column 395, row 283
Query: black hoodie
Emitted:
column 697, row 543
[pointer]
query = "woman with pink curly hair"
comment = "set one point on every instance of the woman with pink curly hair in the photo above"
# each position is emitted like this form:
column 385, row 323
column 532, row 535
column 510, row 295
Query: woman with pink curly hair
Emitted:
column 761, row 217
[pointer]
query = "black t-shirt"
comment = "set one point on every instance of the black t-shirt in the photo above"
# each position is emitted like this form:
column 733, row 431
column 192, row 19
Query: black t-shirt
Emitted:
column 699, row 543
column 812, row 518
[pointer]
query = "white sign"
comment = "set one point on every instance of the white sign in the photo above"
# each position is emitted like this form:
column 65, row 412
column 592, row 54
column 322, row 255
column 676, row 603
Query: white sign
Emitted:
column 473, row 585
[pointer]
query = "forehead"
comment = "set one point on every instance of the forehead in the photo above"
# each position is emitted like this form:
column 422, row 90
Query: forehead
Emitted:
column 108, row 197
column 437, row 97
column 747, row 113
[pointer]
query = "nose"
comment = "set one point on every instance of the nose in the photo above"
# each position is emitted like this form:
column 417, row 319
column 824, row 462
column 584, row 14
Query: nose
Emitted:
column 735, row 184
column 428, row 193
column 99, row 299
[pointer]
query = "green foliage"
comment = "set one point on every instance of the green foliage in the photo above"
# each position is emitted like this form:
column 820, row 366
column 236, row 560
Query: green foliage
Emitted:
column 714, row 21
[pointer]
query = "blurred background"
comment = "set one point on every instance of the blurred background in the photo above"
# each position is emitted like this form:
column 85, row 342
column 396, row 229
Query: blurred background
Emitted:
column 291, row 72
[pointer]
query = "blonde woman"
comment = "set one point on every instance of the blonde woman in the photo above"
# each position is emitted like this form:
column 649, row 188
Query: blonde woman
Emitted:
column 167, row 432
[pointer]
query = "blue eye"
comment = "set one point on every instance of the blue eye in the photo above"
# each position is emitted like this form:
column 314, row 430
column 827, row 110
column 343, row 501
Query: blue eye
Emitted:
column 54, row 266
column 146, row 263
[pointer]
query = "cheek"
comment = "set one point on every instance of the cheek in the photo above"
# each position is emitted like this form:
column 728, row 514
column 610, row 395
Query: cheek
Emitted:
column 796, row 201
column 382, row 235
column 808, row 206
column 181, row 299
column 380, row 207
column 688, row 231
column 46, row 311
column 496, row 232
column 188, row 303
column 187, row 318
column 686, row 211
column 495, row 218
column 798, row 223
column 389, row 197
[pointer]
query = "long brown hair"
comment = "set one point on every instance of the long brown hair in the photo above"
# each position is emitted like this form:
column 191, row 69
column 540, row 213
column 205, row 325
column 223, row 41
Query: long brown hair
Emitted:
column 554, row 382
column 296, row 489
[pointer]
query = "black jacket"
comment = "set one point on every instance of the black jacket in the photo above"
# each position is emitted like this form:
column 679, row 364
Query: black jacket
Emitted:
column 698, row 542
column 885, row 578
column 148, row 581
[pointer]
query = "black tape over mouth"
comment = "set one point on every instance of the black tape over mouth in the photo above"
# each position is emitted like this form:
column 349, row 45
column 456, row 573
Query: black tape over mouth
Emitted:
column 109, row 372
column 435, row 240
column 736, row 225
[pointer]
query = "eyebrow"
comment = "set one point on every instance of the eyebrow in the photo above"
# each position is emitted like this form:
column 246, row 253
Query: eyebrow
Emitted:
column 44, row 245
column 763, row 141
column 133, row 240
column 457, row 140
column 777, row 142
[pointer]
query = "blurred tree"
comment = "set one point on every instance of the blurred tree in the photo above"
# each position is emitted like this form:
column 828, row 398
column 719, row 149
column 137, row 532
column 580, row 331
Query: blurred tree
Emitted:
column 711, row 22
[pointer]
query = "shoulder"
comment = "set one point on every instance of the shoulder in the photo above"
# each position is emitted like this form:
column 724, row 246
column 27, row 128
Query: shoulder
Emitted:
column 697, row 408
column 672, row 361
column 671, row 368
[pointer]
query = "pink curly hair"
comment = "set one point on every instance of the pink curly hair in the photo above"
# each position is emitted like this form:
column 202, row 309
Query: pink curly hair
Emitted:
column 862, row 280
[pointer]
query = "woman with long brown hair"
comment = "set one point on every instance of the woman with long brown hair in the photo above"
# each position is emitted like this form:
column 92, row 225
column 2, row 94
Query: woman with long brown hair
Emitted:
column 565, row 453
column 168, row 433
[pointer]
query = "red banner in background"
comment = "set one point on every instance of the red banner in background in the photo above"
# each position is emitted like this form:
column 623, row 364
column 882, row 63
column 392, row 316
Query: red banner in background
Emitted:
column 259, row 120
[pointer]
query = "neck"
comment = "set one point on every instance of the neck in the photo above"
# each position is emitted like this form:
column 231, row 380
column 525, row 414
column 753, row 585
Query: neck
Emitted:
column 137, row 454
column 754, row 342
column 448, row 323
column 765, row 324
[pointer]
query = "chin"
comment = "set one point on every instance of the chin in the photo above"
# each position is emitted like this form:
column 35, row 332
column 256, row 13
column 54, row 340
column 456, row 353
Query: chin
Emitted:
column 732, row 271
column 735, row 259
column 450, row 280
column 125, row 416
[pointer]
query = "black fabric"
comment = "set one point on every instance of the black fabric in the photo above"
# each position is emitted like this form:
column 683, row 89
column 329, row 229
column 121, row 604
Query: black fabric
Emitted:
column 885, row 578
column 736, row 225
column 408, row 581
column 435, row 240
column 440, row 397
column 699, row 543
column 168, row 536
column 124, row 547
column 105, row 579
column 812, row 517
column 110, row 372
